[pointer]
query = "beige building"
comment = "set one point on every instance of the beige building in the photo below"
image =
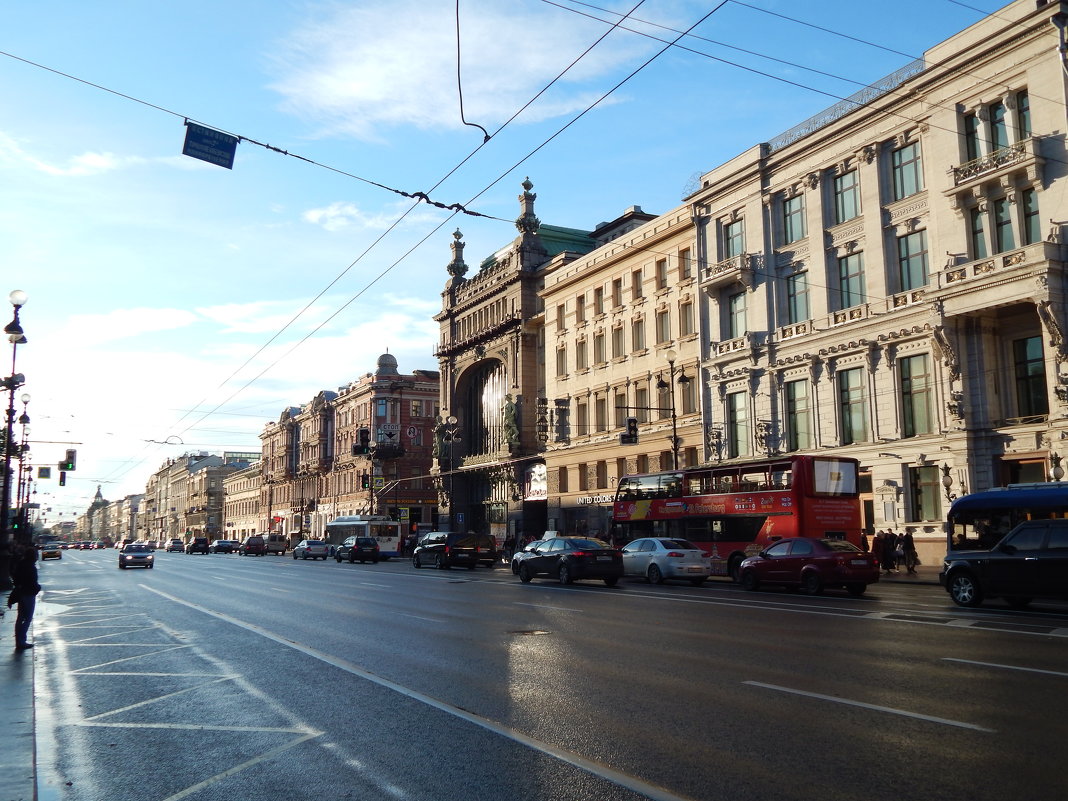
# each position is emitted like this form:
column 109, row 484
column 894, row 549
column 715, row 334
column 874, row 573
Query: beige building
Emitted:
column 241, row 503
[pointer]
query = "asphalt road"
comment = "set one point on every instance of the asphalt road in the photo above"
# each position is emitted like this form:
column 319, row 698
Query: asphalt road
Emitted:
column 227, row 677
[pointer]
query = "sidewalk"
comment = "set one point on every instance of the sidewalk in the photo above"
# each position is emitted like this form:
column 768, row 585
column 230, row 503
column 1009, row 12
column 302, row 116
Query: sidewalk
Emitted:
column 17, row 782
column 925, row 574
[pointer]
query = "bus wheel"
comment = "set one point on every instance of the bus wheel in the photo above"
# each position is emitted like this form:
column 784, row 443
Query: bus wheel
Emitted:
column 734, row 568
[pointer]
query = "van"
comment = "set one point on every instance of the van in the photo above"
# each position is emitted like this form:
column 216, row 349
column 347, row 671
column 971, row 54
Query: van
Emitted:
column 277, row 543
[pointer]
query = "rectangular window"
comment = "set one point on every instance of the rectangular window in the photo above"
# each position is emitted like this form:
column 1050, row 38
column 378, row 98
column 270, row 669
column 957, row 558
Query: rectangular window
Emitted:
column 999, row 128
column 641, row 404
column 737, row 425
column 916, row 390
column 663, row 399
column 1023, row 115
column 561, row 319
column 598, row 300
column 636, row 285
column 620, row 410
column 582, row 418
column 581, row 355
column 617, row 293
column 736, row 322
column 734, row 239
column 972, row 145
column 797, row 298
column 850, row 280
column 793, row 219
column 1030, row 368
column 600, row 356
column 661, row 274
column 600, row 413
column 618, row 346
column 686, row 320
column 561, row 478
column 602, row 475
column 583, row 478
column 688, row 396
column 977, row 232
column 685, row 264
column 1031, row 224
column 561, row 361
column 637, row 334
column 580, row 309
column 924, row 486
column 912, row 260
column 663, row 326
column 846, row 197
column 908, row 171
column 853, row 405
column 798, row 416
column 1003, row 238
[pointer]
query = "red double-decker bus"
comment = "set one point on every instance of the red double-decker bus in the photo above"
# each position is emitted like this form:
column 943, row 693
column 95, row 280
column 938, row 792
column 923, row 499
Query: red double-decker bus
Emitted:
column 736, row 510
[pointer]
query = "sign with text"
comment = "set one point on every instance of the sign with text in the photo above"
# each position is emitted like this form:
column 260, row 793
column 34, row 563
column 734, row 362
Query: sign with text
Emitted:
column 207, row 144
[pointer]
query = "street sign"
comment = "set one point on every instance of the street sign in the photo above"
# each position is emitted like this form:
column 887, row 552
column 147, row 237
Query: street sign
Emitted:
column 44, row 472
column 389, row 431
column 206, row 144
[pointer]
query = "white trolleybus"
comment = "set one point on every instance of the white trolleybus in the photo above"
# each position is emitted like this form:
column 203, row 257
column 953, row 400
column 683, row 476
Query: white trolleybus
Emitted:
column 386, row 531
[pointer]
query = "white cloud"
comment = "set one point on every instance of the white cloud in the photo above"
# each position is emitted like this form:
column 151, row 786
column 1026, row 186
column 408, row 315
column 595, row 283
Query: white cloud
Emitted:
column 343, row 215
column 77, row 166
column 393, row 62
column 94, row 329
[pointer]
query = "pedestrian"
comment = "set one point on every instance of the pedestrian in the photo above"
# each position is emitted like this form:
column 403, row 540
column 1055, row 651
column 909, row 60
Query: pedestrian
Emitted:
column 877, row 547
column 864, row 541
column 890, row 551
column 908, row 547
column 24, row 593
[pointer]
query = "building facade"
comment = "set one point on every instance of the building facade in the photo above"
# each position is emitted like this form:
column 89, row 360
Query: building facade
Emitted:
column 241, row 502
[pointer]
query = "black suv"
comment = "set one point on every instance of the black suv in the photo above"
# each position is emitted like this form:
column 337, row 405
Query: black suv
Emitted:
column 1030, row 562
column 444, row 549
column 254, row 545
column 197, row 545
column 358, row 549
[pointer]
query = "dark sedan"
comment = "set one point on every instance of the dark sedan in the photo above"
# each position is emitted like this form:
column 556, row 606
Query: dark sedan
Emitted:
column 136, row 554
column 812, row 565
column 573, row 558
column 358, row 549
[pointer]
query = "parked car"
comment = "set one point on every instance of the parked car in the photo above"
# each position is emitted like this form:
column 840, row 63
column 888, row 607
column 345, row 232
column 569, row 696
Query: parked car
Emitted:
column 311, row 549
column 51, row 550
column 659, row 559
column 175, row 545
column 358, row 549
column 153, row 544
column 1031, row 561
column 523, row 553
column 573, row 558
column 253, row 545
column 445, row 549
column 197, row 545
column 277, row 543
column 136, row 554
column 222, row 546
column 812, row 565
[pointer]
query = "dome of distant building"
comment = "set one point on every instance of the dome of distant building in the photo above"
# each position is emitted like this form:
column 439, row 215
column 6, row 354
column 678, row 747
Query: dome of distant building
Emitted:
column 387, row 365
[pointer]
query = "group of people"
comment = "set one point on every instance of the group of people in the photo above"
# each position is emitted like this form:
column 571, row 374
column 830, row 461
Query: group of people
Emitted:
column 893, row 550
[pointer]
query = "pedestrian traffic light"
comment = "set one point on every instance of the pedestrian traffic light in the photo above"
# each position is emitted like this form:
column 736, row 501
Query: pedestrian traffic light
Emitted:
column 62, row 479
column 68, row 462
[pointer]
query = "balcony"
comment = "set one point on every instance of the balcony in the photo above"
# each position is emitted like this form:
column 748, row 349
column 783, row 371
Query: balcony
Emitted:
column 736, row 269
column 992, row 165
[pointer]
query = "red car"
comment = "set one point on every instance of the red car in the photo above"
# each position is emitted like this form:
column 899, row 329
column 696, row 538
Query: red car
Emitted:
column 812, row 565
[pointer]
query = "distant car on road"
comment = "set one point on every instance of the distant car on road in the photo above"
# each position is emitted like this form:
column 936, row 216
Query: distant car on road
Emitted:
column 197, row 545
column 253, row 545
column 222, row 546
column 311, row 549
column 175, row 545
column 660, row 558
column 136, row 554
column 51, row 550
column 571, row 558
column 277, row 543
column 1031, row 561
column 812, row 565
column 358, row 549
column 445, row 549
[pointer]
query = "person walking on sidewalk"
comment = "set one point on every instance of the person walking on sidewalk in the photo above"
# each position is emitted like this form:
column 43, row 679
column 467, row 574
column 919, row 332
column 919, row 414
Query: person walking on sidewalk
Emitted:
column 908, row 545
column 24, row 594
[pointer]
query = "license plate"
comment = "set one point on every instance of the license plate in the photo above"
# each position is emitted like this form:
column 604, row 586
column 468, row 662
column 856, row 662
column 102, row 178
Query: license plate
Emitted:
column 604, row 558
column 859, row 562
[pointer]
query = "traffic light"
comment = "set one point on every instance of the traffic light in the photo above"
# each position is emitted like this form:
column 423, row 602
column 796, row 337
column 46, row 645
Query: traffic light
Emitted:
column 365, row 481
column 363, row 445
column 62, row 479
column 631, row 437
column 68, row 462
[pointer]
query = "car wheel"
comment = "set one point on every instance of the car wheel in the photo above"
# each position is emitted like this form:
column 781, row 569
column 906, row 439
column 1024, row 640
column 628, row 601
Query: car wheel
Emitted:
column 439, row 562
column 964, row 590
column 294, row 554
column 749, row 581
column 734, row 567
column 611, row 581
column 565, row 575
column 1018, row 602
column 524, row 574
column 417, row 562
column 856, row 590
column 122, row 567
column 515, row 569
column 811, row 584
column 151, row 566
column 654, row 575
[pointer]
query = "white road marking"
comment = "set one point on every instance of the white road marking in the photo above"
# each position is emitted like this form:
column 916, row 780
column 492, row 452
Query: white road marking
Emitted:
column 624, row 780
column 875, row 707
column 1006, row 667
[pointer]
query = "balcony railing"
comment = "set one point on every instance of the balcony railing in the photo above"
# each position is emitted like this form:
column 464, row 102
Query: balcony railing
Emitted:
column 735, row 269
column 1014, row 154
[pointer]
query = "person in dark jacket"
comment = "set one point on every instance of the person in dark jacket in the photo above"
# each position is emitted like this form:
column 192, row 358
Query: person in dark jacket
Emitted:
column 908, row 545
column 24, row 594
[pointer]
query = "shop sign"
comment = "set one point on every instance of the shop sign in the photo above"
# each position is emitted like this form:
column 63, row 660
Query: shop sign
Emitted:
column 590, row 500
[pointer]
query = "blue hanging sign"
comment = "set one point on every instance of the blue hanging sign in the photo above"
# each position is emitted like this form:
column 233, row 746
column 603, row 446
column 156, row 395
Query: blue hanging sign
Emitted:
column 207, row 144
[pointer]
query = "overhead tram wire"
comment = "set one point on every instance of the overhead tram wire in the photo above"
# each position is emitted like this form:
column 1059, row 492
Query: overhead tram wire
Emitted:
column 489, row 186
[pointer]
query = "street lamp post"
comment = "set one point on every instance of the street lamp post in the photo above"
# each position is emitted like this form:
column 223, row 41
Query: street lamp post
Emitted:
column 16, row 337
column 450, row 435
column 683, row 379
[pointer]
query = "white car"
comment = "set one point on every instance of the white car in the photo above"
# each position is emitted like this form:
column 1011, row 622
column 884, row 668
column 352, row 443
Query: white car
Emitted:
column 311, row 549
column 660, row 558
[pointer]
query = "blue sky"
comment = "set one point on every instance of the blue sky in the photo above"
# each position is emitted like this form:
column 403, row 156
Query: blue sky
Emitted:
column 158, row 284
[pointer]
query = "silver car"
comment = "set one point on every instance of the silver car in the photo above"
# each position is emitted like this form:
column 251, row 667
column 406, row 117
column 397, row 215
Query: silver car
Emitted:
column 136, row 554
column 658, row 559
column 311, row 549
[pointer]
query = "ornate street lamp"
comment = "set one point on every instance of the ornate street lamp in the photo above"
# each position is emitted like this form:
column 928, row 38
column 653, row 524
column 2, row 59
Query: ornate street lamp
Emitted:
column 683, row 379
column 947, row 482
column 1056, row 472
column 450, row 435
column 16, row 337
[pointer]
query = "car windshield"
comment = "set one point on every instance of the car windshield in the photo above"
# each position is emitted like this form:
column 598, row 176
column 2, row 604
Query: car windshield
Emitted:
column 136, row 549
column 680, row 545
column 589, row 543
column 840, row 545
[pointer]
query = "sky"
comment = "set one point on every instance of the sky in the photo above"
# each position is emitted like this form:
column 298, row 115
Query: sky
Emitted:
column 176, row 306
